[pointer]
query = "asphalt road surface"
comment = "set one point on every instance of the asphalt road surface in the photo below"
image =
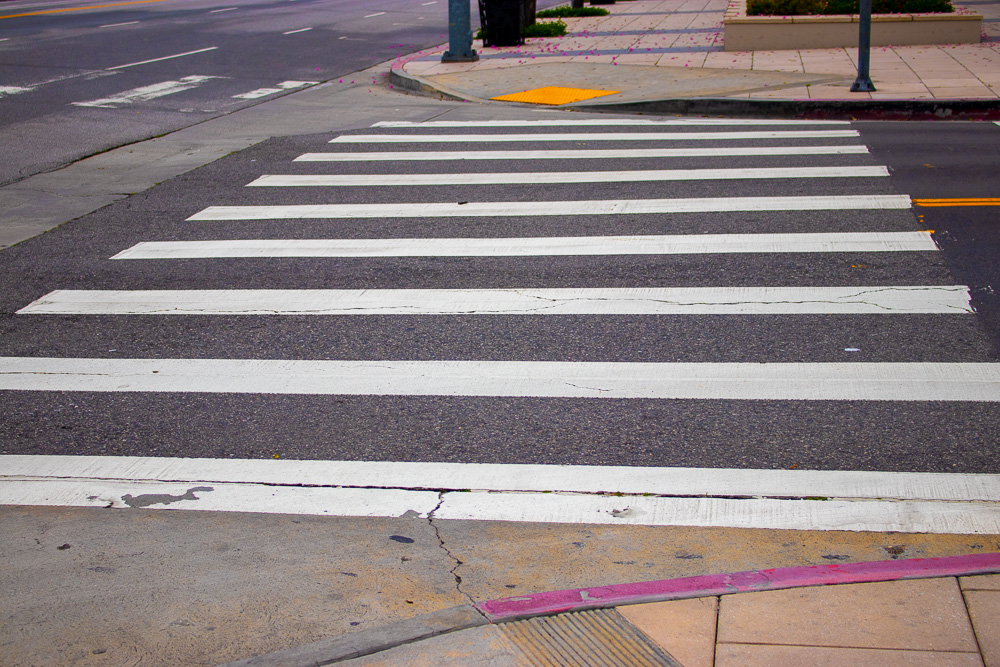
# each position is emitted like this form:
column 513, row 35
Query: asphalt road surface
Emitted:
column 533, row 370
column 78, row 78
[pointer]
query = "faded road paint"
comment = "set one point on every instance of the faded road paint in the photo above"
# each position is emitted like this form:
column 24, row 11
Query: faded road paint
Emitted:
column 148, row 499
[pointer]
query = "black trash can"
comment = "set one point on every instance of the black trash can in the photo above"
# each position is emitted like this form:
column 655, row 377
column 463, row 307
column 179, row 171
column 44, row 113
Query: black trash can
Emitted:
column 503, row 21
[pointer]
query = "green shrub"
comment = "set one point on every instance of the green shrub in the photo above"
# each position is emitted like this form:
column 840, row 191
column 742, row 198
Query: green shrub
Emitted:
column 545, row 29
column 570, row 12
column 803, row 7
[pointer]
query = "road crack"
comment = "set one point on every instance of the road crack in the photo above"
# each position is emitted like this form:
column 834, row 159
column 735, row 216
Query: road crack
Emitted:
column 458, row 562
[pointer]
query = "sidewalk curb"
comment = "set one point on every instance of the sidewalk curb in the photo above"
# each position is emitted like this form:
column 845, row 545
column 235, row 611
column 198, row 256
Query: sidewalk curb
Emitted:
column 810, row 109
column 959, row 109
column 556, row 602
column 418, row 84
column 503, row 610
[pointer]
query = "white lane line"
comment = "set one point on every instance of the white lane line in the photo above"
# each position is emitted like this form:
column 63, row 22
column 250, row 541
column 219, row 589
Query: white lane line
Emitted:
column 538, row 208
column 293, row 32
column 556, row 301
column 977, row 382
column 637, row 480
column 425, row 4
column 905, row 502
column 603, row 122
column 115, row 25
column 641, row 153
column 146, row 93
column 549, row 177
column 156, row 60
column 530, row 247
column 14, row 90
column 374, row 15
column 590, row 136
column 281, row 87
column 227, row 9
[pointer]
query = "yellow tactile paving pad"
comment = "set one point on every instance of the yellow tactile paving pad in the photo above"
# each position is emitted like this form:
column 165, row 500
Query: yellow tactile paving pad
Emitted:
column 554, row 95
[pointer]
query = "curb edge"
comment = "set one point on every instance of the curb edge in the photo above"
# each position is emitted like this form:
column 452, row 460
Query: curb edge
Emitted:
column 554, row 602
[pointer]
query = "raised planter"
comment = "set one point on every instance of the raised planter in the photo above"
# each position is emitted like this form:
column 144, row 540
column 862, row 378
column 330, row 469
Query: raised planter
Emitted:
column 767, row 33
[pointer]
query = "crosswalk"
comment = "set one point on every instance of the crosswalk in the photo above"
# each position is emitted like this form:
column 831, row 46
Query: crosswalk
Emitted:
column 793, row 221
column 805, row 381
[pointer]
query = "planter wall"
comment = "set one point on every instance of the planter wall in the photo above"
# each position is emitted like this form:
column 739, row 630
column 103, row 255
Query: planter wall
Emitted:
column 766, row 33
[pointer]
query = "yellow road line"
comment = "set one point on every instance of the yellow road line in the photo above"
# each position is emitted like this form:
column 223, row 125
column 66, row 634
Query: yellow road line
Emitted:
column 971, row 201
column 79, row 9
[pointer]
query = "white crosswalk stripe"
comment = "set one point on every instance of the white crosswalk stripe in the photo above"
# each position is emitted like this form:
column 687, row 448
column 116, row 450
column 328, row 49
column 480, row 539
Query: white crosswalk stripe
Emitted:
column 608, row 301
column 534, row 247
column 583, row 154
column 590, row 136
column 494, row 209
column 547, row 379
column 509, row 178
column 605, row 122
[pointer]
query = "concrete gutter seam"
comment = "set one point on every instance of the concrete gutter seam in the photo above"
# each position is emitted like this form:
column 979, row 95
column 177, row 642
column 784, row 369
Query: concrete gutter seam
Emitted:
column 505, row 610
column 810, row 109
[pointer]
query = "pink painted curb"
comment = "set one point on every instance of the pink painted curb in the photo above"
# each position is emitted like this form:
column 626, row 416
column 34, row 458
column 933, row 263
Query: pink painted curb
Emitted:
column 577, row 599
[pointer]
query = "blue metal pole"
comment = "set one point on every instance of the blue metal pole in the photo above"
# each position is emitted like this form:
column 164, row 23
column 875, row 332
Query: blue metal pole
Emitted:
column 459, row 33
column 863, row 84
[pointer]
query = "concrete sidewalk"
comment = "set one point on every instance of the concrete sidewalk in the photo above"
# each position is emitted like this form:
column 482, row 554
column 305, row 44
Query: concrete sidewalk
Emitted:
column 656, row 51
column 93, row 586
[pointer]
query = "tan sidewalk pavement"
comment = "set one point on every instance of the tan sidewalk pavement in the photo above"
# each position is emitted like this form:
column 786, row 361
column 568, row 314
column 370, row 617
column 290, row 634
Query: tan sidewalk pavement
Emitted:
column 669, row 49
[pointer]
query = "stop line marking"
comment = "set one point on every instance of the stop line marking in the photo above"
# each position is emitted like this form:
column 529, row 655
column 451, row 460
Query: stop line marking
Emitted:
column 584, row 136
column 636, row 153
column 783, row 499
column 541, row 246
column 546, row 177
column 890, row 381
column 548, row 208
column 558, row 301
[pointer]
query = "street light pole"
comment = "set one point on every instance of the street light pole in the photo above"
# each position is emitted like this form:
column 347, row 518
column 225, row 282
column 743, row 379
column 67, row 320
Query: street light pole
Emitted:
column 863, row 84
column 459, row 34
